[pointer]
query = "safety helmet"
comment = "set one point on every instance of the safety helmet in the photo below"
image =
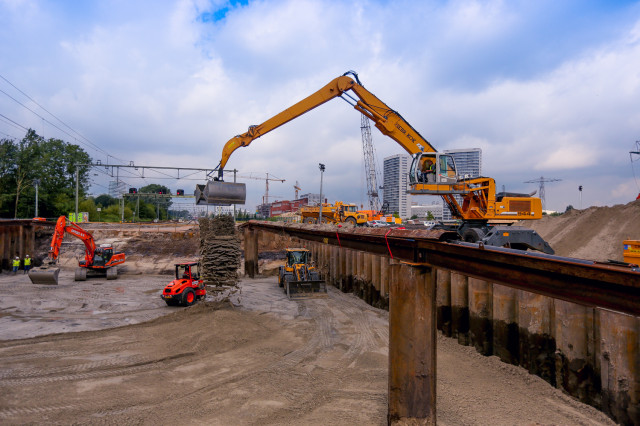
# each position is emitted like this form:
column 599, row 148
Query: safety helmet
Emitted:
column 27, row 255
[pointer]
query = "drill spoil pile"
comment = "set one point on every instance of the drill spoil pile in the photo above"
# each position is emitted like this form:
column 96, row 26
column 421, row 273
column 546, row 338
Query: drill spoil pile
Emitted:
column 219, row 251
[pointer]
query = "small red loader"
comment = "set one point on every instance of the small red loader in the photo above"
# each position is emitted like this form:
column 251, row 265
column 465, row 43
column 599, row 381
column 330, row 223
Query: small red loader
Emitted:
column 187, row 287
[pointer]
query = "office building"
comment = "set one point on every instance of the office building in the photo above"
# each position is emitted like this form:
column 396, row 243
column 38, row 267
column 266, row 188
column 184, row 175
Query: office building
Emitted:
column 396, row 184
column 422, row 211
column 468, row 164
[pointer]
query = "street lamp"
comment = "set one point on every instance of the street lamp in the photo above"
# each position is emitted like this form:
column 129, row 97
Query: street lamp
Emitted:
column 580, row 190
column 321, row 166
column 36, row 182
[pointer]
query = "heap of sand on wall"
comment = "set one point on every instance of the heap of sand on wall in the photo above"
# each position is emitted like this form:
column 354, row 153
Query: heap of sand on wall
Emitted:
column 219, row 251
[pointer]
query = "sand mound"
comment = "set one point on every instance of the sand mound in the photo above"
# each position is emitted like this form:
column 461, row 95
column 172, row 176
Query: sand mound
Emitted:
column 595, row 233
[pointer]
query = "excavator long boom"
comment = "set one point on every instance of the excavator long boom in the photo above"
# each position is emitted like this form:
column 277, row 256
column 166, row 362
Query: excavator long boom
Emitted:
column 388, row 121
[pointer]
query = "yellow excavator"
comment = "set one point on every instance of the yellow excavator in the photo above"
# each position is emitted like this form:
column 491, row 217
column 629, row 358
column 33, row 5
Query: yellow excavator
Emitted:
column 431, row 172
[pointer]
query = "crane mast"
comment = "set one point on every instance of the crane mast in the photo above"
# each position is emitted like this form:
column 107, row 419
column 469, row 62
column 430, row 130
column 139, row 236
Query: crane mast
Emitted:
column 369, row 164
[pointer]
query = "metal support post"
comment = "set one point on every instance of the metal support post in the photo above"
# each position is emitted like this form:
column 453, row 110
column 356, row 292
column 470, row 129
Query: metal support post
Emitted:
column 412, row 346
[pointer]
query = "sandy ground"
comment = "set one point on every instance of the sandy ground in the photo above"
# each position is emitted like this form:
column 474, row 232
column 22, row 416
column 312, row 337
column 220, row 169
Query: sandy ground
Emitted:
column 262, row 360
column 595, row 233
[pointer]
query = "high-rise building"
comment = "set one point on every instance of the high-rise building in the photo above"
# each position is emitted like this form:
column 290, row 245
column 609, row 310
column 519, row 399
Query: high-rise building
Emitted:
column 396, row 184
column 468, row 164
column 313, row 199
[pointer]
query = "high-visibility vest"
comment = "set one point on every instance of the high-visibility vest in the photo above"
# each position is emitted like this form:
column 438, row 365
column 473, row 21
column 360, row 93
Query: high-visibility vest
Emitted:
column 27, row 261
column 16, row 262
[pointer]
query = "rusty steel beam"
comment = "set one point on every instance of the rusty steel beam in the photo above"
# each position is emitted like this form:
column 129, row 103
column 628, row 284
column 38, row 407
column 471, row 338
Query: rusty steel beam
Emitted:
column 579, row 281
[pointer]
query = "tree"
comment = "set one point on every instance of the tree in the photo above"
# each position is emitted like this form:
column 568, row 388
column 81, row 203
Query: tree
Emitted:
column 51, row 161
column 105, row 200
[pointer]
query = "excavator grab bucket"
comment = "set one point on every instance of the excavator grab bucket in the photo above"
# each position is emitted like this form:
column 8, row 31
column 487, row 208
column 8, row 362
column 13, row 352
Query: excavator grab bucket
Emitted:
column 44, row 276
column 221, row 193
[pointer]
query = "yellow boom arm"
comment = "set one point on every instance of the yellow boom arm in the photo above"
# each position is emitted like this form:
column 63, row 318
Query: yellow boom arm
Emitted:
column 388, row 121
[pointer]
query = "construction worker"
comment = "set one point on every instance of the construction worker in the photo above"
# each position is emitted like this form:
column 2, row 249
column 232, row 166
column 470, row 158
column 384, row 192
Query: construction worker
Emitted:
column 16, row 265
column 428, row 171
column 27, row 264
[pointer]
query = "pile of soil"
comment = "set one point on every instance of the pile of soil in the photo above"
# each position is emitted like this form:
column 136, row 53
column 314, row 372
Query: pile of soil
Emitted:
column 219, row 251
column 595, row 233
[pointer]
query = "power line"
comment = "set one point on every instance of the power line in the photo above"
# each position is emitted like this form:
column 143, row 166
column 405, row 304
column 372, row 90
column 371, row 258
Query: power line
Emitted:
column 13, row 123
column 88, row 142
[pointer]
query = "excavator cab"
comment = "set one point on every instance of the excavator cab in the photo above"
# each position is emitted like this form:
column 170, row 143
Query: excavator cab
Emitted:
column 435, row 171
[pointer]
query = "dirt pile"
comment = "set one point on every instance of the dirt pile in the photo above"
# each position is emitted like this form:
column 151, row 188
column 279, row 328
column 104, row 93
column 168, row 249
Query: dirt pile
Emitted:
column 595, row 233
column 219, row 251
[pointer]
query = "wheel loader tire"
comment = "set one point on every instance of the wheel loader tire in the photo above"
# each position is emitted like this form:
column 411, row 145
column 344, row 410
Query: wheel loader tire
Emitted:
column 112, row 273
column 80, row 275
column 351, row 221
column 473, row 235
column 188, row 297
column 309, row 220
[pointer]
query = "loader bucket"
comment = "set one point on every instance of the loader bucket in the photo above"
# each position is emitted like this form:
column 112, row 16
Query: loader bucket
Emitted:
column 221, row 193
column 305, row 289
column 44, row 275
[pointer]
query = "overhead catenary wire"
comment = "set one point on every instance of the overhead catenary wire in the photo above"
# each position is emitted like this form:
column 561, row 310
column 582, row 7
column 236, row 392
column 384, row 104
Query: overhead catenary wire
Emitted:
column 84, row 140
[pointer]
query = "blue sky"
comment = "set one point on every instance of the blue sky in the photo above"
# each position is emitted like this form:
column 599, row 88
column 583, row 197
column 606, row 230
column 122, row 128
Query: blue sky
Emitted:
column 545, row 88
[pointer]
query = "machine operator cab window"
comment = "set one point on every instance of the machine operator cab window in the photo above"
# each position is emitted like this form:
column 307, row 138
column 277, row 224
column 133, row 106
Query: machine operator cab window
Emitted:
column 432, row 168
column 182, row 271
column 98, row 258
column 294, row 257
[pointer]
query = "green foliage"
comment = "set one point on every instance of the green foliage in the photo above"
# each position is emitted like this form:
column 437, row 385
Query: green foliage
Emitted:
column 53, row 162
column 89, row 206
column 430, row 216
column 105, row 200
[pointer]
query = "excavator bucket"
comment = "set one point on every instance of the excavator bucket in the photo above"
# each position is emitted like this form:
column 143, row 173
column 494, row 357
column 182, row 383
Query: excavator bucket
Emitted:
column 44, row 276
column 221, row 193
column 305, row 289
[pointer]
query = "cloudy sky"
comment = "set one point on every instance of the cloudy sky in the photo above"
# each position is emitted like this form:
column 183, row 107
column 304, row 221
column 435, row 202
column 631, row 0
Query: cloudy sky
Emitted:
column 546, row 88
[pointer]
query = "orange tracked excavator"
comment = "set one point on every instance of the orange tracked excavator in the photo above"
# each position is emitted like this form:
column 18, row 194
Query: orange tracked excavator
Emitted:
column 98, row 261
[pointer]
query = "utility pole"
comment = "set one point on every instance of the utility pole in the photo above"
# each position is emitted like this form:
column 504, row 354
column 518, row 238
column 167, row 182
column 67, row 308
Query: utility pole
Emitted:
column 77, row 186
column 36, row 182
column 321, row 173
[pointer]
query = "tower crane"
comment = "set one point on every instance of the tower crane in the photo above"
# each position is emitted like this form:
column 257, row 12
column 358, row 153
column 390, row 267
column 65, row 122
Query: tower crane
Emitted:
column 265, row 197
column 369, row 164
column 297, row 188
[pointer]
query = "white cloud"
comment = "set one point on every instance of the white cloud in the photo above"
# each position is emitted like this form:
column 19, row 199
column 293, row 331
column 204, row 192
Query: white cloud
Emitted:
column 170, row 88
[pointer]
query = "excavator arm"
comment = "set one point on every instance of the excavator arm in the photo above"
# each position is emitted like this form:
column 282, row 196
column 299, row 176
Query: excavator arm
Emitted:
column 388, row 121
column 76, row 231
